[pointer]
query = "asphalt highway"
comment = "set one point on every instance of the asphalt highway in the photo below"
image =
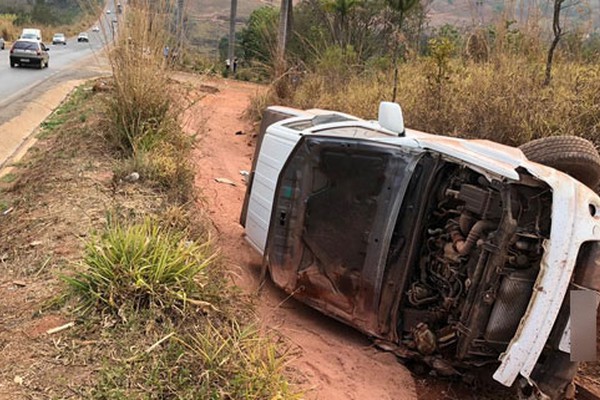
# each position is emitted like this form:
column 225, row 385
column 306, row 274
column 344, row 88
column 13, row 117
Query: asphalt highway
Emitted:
column 28, row 95
column 15, row 82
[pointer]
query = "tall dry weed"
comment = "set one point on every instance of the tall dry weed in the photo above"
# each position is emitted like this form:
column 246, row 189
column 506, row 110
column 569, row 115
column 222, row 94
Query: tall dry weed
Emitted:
column 140, row 110
column 501, row 100
column 143, row 114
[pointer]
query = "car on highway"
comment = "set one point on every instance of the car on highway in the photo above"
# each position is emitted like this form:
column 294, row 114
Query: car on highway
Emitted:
column 2, row 43
column 96, row 29
column 31, row 33
column 108, row 11
column 59, row 38
column 29, row 52
column 83, row 37
column 461, row 255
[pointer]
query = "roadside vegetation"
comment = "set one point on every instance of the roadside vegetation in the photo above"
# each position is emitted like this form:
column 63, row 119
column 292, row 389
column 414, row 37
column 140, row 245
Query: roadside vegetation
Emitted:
column 161, row 278
column 143, row 124
column 480, row 82
column 104, row 235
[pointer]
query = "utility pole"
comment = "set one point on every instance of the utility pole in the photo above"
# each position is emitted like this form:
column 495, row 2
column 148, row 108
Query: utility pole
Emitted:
column 180, row 14
column 284, row 21
column 231, row 52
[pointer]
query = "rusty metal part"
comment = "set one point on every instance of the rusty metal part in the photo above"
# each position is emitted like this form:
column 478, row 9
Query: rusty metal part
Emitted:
column 419, row 295
column 464, row 246
column 481, row 294
column 425, row 339
column 466, row 222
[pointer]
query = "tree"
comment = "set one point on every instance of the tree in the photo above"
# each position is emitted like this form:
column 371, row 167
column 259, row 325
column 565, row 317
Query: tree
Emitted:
column 258, row 39
column 356, row 24
column 557, row 30
column 339, row 26
column 400, row 8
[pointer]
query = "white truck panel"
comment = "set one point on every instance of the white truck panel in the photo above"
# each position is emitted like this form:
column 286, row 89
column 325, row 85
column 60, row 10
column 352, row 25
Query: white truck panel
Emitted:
column 570, row 219
column 277, row 145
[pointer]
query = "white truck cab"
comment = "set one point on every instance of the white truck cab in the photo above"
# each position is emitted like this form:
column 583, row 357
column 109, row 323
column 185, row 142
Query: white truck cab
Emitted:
column 457, row 253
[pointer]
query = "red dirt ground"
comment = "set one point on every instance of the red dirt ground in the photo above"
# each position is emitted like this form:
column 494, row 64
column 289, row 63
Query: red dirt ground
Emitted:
column 333, row 360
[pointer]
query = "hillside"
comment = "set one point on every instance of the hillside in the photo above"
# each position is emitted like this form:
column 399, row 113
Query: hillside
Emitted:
column 209, row 19
column 466, row 12
column 68, row 16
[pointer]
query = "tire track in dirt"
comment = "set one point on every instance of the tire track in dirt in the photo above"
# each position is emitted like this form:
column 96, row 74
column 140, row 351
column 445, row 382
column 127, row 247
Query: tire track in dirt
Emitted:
column 335, row 361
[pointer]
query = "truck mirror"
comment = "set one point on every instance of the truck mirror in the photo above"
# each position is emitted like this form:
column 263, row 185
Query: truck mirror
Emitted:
column 390, row 117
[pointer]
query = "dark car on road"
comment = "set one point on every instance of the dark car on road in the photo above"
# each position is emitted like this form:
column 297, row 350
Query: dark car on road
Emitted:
column 2, row 43
column 26, row 52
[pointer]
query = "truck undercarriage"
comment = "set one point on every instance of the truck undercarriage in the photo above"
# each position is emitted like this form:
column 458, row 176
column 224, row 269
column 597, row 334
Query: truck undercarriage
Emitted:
column 470, row 281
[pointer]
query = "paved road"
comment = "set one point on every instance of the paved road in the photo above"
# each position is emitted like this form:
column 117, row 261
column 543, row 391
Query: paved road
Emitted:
column 24, row 91
column 15, row 82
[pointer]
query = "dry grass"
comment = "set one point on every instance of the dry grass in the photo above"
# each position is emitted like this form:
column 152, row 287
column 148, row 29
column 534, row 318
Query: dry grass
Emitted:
column 502, row 100
column 190, row 335
column 142, row 118
column 140, row 111
column 498, row 95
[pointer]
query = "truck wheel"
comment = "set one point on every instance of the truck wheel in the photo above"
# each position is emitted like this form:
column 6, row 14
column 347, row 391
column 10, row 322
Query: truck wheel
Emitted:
column 573, row 155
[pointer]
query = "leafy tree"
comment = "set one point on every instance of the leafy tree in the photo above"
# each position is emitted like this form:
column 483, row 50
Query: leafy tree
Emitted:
column 341, row 11
column 400, row 8
column 359, row 24
column 258, row 38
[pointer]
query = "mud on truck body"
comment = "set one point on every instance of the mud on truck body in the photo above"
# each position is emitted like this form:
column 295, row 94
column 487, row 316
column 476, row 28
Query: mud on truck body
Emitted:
column 456, row 253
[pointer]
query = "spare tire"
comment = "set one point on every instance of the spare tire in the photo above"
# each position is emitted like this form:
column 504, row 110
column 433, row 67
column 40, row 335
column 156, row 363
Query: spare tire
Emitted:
column 573, row 155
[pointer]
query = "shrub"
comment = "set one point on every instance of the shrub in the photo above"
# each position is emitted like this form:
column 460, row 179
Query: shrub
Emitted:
column 140, row 108
column 142, row 116
column 130, row 268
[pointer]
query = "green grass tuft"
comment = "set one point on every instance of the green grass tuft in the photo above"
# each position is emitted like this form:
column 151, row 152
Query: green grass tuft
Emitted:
column 8, row 178
column 130, row 268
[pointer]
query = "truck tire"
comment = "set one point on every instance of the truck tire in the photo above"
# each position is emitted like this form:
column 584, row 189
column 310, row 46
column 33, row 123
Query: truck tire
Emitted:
column 572, row 155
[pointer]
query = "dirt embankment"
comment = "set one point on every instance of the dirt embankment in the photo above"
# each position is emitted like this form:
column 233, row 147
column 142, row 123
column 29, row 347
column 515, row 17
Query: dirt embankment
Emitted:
column 334, row 361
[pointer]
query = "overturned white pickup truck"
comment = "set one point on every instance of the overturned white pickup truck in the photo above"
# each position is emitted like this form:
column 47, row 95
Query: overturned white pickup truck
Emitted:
column 457, row 253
